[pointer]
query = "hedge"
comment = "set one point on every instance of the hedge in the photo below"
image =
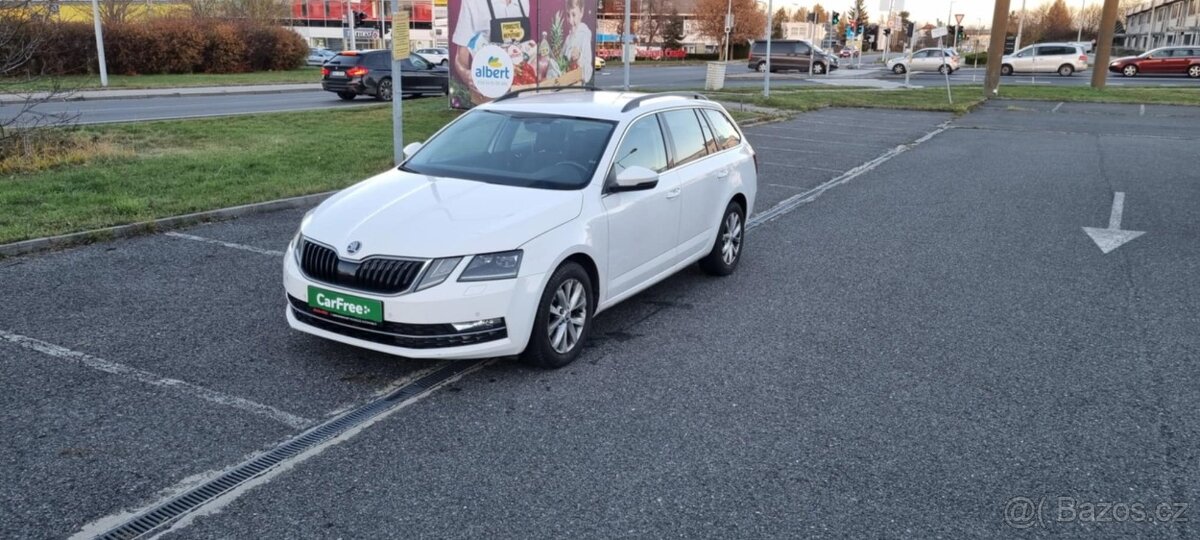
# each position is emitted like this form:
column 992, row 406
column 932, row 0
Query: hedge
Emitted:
column 166, row 46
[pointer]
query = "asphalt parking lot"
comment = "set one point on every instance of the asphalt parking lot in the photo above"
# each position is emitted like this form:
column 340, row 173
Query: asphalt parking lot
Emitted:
column 920, row 339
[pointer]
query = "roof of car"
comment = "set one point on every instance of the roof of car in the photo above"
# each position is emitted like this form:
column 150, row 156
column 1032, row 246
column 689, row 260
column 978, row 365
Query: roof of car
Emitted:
column 606, row 105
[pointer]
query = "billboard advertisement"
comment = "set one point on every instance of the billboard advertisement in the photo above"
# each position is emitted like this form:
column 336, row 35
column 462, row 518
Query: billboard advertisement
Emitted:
column 497, row 46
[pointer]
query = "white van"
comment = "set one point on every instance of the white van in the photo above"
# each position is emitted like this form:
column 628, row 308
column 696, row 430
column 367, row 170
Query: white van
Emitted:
column 1062, row 58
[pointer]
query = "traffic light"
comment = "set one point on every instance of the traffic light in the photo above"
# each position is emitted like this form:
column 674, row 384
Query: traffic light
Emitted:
column 835, row 18
column 908, row 29
column 887, row 31
column 860, row 26
column 812, row 17
column 360, row 18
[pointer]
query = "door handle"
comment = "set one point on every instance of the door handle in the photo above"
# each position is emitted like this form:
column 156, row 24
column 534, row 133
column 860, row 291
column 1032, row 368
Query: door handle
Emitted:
column 674, row 193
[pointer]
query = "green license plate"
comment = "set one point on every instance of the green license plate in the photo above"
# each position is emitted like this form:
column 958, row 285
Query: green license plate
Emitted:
column 345, row 304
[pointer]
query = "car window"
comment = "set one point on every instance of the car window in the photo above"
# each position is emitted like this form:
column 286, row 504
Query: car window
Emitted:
column 418, row 62
column 687, row 141
column 531, row 150
column 379, row 61
column 344, row 60
column 727, row 135
column 802, row 48
column 710, row 142
column 643, row 146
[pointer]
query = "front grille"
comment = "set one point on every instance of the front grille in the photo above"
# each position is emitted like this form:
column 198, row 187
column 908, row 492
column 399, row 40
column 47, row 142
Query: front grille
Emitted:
column 377, row 275
column 410, row 336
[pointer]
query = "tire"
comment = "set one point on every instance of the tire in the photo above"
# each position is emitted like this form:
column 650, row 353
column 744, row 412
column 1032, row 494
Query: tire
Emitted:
column 347, row 96
column 1006, row 70
column 727, row 249
column 898, row 69
column 1194, row 71
column 944, row 69
column 544, row 350
column 384, row 91
column 818, row 68
column 1129, row 71
column 1066, row 70
column 761, row 67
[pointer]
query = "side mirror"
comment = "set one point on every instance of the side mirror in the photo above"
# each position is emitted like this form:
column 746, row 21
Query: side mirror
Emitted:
column 411, row 148
column 635, row 178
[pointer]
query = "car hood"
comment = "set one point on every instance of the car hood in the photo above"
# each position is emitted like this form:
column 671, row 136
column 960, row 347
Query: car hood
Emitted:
column 1123, row 59
column 412, row 215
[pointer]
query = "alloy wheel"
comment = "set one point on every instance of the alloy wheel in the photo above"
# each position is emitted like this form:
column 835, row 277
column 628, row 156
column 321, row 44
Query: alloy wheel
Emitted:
column 1194, row 71
column 731, row 239
column 568, row 315
column 385, row 90
column 1130, row 71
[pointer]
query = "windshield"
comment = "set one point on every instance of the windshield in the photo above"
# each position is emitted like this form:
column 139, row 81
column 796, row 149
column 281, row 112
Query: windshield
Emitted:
column 516, row 149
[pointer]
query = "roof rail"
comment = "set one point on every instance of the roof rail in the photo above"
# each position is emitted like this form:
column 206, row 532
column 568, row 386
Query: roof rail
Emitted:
column 637, row 101
column 516, row 93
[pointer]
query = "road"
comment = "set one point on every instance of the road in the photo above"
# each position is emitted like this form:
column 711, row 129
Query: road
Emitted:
column 921, row 341
column 644, row 78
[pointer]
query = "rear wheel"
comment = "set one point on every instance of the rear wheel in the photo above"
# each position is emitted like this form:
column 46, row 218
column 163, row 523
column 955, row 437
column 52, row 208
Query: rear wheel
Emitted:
column 347, row 95
column 1129, row 71
column 1006, row 69
column 1066, row 70
column 761, row 67
column 563, row 320
column 898, row 69
column 944, row 69
column 818, row 68
column 384, row 93
column 1194, row 71
column 727, row 250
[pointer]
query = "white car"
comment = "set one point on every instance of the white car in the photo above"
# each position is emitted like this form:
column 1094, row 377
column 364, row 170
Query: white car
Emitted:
column 1062, row 58
column 926, row 60
column 436, row 55
column 512, row 227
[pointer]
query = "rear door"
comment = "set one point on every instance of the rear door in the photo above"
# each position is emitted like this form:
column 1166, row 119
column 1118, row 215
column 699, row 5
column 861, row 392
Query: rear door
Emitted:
column 801, row 56
column 1177, row 62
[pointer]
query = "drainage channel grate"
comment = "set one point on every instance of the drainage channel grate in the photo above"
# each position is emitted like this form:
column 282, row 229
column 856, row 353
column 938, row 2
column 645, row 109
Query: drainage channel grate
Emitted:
column 158, row 517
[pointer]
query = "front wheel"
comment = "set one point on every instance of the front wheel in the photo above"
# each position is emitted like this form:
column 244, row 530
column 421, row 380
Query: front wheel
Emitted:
column 443, row 62
column 761, row 67
column 727, row 250
column 563, row 320
column 898, row 69
column 384, row 93
column 1066, row 70
column 1006, row 70
column 1130, row 71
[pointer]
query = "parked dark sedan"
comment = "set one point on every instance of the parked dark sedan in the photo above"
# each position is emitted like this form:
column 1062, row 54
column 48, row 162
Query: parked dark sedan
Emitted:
column 354, row 73
column 1164, row 61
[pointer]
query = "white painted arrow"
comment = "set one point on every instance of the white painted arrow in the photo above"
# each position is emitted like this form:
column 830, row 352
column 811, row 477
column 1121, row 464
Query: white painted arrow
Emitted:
column 1112, row 237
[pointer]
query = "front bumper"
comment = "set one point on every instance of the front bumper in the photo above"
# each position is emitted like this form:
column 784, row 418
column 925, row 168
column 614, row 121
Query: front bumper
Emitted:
column 417, row 325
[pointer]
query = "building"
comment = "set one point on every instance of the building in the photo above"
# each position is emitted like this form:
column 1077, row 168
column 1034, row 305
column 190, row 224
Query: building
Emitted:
column 1159, row 23
column 323, row 23
column 611, row 16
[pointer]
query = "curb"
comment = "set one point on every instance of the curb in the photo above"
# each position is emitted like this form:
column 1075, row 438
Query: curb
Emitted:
column 25, row 247
column 177, row 93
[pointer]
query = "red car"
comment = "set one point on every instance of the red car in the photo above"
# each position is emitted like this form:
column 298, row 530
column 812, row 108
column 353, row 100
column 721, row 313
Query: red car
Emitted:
column 1164, row 61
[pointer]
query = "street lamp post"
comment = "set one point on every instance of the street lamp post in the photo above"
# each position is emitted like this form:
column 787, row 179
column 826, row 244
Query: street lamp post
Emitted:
column 1079, row 36
column 1020, row 27
column 100, row 44
column 625, row 41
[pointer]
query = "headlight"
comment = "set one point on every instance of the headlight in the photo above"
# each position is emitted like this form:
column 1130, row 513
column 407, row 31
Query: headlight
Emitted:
column 491, row 266
column 297, row 241
column 439, row 270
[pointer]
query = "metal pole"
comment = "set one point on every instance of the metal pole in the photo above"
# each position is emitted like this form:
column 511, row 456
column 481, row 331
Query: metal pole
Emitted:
column 991, row 81
column 728, row 27
column 812, row 31
column 350, row 18
column 767, row 75
column 1108, row 20
column 625, row 46
column 1079, row 36
column 1020, row 28
column 398, row 91
column 100, row 44
column 945, row 71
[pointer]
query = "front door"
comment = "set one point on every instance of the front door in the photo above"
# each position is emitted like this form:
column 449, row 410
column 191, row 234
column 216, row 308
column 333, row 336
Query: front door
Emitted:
column 643, row 226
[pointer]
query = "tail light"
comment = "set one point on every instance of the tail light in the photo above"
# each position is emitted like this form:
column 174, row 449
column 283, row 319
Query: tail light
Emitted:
column 356, row 71
column 1083, row 58
column 324, row 72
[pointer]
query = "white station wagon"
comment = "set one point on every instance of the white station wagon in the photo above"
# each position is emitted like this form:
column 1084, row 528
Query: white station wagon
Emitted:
column 518, row 222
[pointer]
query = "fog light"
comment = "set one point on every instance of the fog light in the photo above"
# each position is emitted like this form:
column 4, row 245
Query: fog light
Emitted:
column 473, row 326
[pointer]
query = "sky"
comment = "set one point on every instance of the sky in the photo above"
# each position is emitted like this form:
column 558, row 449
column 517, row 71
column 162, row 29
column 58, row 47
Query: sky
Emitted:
column 930, row 10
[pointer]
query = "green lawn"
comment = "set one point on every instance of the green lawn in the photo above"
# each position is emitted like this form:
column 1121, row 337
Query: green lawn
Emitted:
column 92, row 82
column 1161, row 95
column 807, row 99
column 178, row 167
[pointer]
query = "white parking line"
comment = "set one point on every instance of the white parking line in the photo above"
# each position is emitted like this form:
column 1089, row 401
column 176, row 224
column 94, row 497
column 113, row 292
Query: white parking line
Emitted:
column 153, row 379
column 1142, row 111
column 791, row 203
column 242, row 247
column 789, row 166
column 1055, row 109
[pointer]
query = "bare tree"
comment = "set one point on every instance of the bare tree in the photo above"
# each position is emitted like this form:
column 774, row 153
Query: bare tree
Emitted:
column 24, row 128
column 116, row 11
column 748, row 20
column 256, row 10
column 655, row 18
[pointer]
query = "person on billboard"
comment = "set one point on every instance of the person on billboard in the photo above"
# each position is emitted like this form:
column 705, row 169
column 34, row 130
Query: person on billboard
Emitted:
column 481, row 22
column 579, row 42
